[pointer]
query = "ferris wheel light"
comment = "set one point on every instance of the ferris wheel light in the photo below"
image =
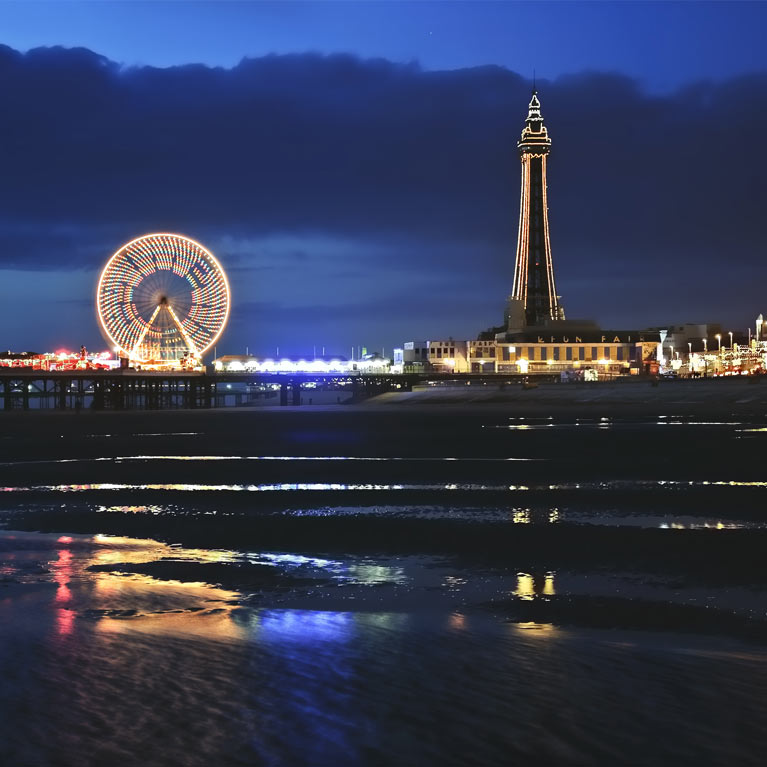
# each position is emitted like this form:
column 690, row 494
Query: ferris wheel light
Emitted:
column 162, row 297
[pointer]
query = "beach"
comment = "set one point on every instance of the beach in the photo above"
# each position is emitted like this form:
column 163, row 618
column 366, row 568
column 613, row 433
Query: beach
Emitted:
column 498, row 575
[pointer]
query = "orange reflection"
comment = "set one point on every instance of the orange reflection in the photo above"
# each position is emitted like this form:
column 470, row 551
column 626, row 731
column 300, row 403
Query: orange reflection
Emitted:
column 457, row 621
column 535, row 629
column 216, row 625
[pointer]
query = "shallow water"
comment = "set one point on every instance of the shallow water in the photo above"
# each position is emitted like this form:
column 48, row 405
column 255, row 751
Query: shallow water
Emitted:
column 447, row 590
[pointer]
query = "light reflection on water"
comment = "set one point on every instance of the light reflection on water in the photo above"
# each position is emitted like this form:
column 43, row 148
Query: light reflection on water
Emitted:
column 106, row 661
column 375, row 574
column 126, row 660
column 536, row 585
column 301, row 626
column 645, row 484
column 149, row 434
column 608, row 423
column 530, row 628
column 268, row 458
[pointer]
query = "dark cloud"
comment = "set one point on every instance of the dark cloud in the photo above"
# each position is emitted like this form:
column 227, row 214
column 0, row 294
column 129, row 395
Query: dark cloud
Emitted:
column 410, row 171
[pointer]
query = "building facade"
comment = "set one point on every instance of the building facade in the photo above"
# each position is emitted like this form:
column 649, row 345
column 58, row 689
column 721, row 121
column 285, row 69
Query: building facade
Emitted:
column 483, row 356
column 605, row 353
column 446, row 356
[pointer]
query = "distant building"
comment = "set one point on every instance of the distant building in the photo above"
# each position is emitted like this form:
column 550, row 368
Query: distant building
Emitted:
column 556, row 349
column 446, row 356
column 535, row 337
column 483, row 356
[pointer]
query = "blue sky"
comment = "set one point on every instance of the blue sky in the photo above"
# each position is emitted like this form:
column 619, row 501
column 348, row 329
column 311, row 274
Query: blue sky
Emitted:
column 661, row 44
column 357, row 175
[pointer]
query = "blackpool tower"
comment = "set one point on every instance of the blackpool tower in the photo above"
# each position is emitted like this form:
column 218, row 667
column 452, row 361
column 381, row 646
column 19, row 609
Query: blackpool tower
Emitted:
column 534, row 299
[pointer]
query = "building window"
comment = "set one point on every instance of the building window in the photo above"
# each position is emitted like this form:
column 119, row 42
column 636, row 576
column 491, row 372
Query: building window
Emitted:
column 594, row 353
column 619, row 353
column 556, row 354
column 607, row 352
column 544, row 353
column 439, row 352
column 581, row 353
column 569, row 353
column 531, row 353
column 452, row 352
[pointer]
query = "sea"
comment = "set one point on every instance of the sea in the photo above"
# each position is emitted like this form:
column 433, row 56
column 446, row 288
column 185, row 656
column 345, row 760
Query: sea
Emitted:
column 361, row 585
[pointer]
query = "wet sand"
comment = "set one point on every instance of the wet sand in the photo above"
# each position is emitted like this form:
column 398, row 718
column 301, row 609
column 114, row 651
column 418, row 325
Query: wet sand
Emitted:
column 548, row 581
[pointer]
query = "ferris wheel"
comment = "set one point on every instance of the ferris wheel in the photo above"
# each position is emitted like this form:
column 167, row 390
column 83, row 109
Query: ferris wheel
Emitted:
column 162, row 298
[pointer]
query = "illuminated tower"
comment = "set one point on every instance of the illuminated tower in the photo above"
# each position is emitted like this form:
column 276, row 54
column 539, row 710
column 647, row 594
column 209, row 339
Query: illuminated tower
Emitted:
column 534, row 298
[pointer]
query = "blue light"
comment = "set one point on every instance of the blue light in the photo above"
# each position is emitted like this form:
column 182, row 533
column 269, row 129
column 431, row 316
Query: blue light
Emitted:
column 304, row 626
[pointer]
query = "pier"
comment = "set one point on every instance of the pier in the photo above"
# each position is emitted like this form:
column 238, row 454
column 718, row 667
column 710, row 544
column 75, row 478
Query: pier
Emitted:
column 25, row 389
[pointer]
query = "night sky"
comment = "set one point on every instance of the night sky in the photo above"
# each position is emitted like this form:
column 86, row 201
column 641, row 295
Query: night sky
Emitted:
column 354, row 166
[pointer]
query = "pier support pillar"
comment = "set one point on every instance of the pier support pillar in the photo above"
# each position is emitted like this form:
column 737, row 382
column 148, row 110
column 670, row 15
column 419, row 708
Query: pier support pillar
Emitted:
column 98, row 395
column 62, row 385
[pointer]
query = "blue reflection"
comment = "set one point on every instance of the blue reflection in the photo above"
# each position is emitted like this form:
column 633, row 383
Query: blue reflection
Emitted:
column 305, row 626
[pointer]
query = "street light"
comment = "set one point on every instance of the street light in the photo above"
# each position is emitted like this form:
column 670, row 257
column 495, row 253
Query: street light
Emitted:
column 730, row 332
column 718, row 337
column 705, row 345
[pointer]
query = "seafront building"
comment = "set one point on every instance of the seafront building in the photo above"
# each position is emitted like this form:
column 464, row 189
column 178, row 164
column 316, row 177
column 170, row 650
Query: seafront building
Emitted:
column 537, row 339
column 591, row 353
column 447, row 356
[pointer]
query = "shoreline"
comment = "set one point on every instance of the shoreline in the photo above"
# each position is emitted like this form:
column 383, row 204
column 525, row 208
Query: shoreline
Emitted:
column 713, row 396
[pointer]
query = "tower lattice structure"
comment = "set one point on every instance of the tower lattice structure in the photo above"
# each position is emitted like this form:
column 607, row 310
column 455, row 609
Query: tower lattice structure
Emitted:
column 534, row 298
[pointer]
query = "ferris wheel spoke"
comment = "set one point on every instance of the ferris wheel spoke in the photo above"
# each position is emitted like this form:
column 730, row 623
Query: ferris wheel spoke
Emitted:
column 185, row 336
column 145, row 330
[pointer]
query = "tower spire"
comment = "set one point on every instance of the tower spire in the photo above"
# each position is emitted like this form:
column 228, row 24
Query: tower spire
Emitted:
column 533, row 299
